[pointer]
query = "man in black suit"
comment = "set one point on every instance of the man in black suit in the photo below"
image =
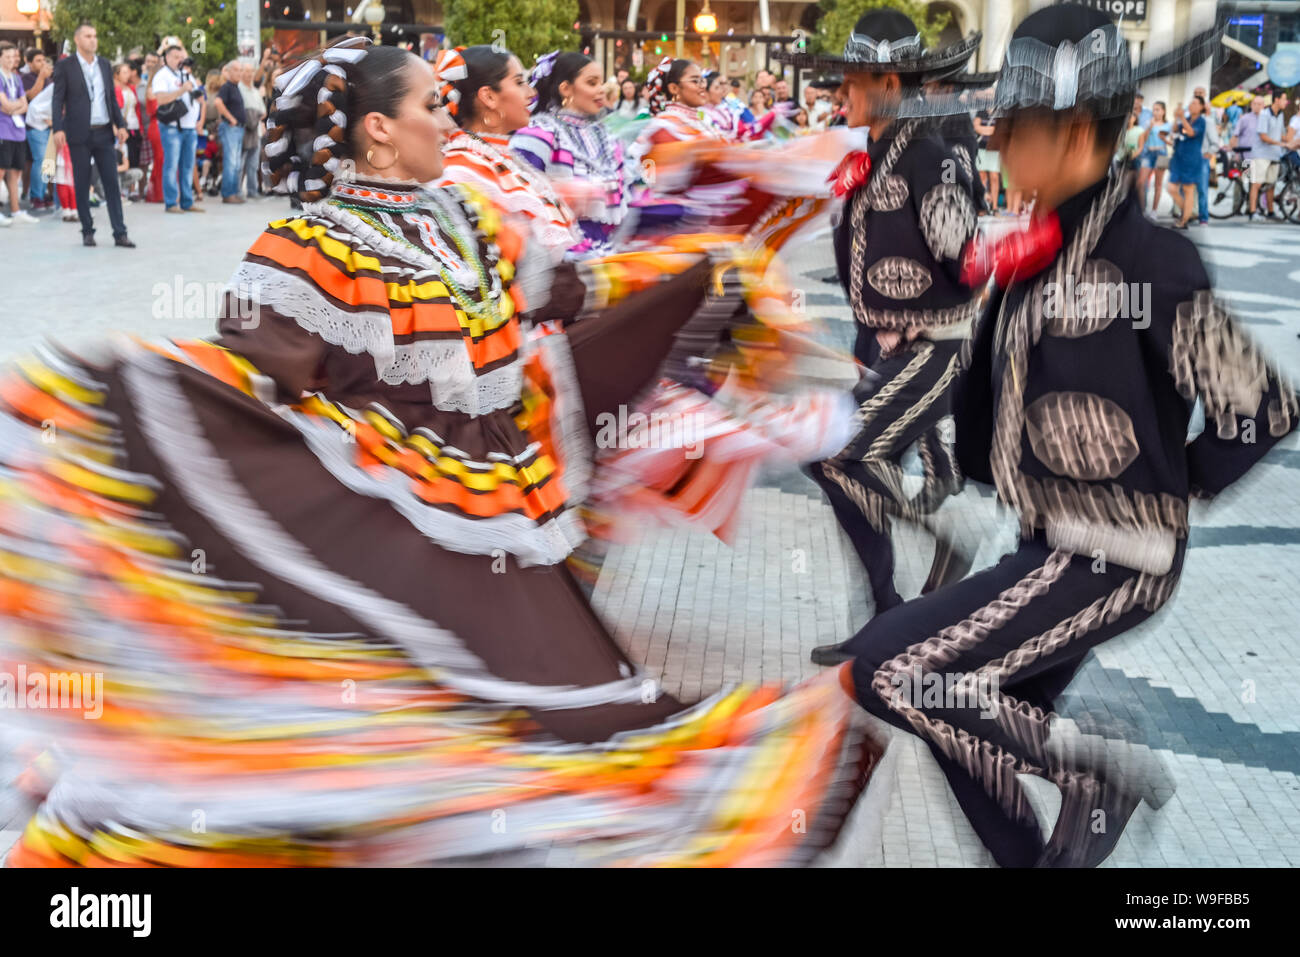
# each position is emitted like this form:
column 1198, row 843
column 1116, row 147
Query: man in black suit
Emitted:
column 86, row 116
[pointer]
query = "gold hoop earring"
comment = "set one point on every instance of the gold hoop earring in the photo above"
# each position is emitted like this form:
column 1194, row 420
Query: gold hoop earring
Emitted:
column 370, row 156
column 565, row 104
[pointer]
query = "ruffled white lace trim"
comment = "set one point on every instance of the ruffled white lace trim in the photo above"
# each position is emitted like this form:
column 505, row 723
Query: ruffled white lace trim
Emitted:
column 443, row 363
column 369, row 331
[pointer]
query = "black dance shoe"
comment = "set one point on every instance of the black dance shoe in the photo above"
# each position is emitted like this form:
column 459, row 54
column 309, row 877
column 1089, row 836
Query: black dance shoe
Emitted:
column 949, row 565
column 124, row 242
column 827, row 655
column 1086, row 837
column 1109, row 780
column 88, row 239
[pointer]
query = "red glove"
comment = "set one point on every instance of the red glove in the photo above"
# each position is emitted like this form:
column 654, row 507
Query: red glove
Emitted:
column 852, row 172
column 1017, row 256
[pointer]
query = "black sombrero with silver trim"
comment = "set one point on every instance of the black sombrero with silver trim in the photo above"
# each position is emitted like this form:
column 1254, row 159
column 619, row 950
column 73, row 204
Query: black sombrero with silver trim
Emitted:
column 1064, row 57
column 886, row 41
column 965, row 79
column 1070, row 56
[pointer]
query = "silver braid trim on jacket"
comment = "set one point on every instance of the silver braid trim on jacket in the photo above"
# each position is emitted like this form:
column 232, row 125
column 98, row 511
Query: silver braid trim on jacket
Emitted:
column 1035, row 499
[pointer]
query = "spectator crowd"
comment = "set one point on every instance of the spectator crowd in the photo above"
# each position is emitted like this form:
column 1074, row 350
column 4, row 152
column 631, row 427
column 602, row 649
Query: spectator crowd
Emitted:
column 81, row 133
column 149, row 129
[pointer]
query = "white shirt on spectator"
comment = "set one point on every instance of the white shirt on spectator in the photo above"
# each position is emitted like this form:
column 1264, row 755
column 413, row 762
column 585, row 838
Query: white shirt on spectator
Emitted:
column 820, row 114
column 128, row 109
column 95, row 85
column 40, row 111
column 1274, row 125
column 168, row 80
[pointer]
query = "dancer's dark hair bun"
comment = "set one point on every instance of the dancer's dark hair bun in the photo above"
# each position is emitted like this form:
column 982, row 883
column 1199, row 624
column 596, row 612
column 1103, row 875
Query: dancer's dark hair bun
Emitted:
column 566, row 69
column 485, row 66
column 311, row 130
column 657, row 82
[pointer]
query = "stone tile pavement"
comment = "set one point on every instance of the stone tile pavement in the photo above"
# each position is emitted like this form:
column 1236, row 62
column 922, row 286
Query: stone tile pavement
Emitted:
column 1211, row 685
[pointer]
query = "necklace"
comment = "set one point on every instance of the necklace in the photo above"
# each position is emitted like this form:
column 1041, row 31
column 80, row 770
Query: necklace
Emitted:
column 486, row 308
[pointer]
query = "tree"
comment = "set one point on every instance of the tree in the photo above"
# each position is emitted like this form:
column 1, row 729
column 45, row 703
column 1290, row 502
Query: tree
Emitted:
column 839, row 16
column 206, row 29
column 120, row 24
column 525, row 27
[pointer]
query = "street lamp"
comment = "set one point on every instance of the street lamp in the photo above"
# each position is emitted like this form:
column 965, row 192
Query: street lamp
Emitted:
column 705, row 21
column 32, row 8
column 374, row 15
column 707, row 24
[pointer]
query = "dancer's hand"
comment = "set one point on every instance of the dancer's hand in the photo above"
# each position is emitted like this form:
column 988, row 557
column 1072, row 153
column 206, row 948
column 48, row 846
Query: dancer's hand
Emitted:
column 888, row 339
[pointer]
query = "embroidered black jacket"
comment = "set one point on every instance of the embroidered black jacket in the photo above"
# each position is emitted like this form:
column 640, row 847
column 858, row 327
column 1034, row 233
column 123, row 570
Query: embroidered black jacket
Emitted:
column 899, row 243
column 1082, row 380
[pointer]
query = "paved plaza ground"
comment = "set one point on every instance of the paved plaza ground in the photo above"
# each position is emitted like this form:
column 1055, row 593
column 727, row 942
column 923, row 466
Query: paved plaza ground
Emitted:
column 1212, row 684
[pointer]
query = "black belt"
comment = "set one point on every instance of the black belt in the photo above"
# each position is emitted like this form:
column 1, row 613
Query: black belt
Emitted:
column 101, row 126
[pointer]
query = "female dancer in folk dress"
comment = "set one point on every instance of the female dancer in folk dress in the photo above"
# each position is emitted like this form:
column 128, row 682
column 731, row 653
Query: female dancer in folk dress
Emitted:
column 319, row 561
column 566, row 140
column 488, row 96
column 725, row 120
column 677, row 103
column 698, row 474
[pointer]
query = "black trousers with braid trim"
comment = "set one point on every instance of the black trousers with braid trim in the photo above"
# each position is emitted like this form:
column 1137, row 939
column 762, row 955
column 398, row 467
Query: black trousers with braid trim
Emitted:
column 901, row 404
column 1023, row 626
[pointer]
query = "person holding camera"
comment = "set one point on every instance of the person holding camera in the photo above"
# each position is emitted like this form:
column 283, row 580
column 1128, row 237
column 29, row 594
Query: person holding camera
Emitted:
column 264, row 75
column 178, row 114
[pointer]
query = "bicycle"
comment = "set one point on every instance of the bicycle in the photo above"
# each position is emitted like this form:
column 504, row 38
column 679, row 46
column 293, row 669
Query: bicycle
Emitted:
column 1231, row 195
column 1287, row 192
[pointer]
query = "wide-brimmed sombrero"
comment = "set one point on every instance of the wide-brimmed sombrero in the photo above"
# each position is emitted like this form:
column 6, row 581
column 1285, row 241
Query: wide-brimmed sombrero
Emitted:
column 886, row 41
column 965, row 79
column 1072, row 56
column 1065, row 57
column 826, row 82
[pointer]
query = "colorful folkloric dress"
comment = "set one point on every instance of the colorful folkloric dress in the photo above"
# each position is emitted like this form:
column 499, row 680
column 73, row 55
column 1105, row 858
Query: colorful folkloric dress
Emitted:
column 697, row 471
column 485, row 162
column 317, row 564
column 677, row 122
column 586, row 164
column 725, row 120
